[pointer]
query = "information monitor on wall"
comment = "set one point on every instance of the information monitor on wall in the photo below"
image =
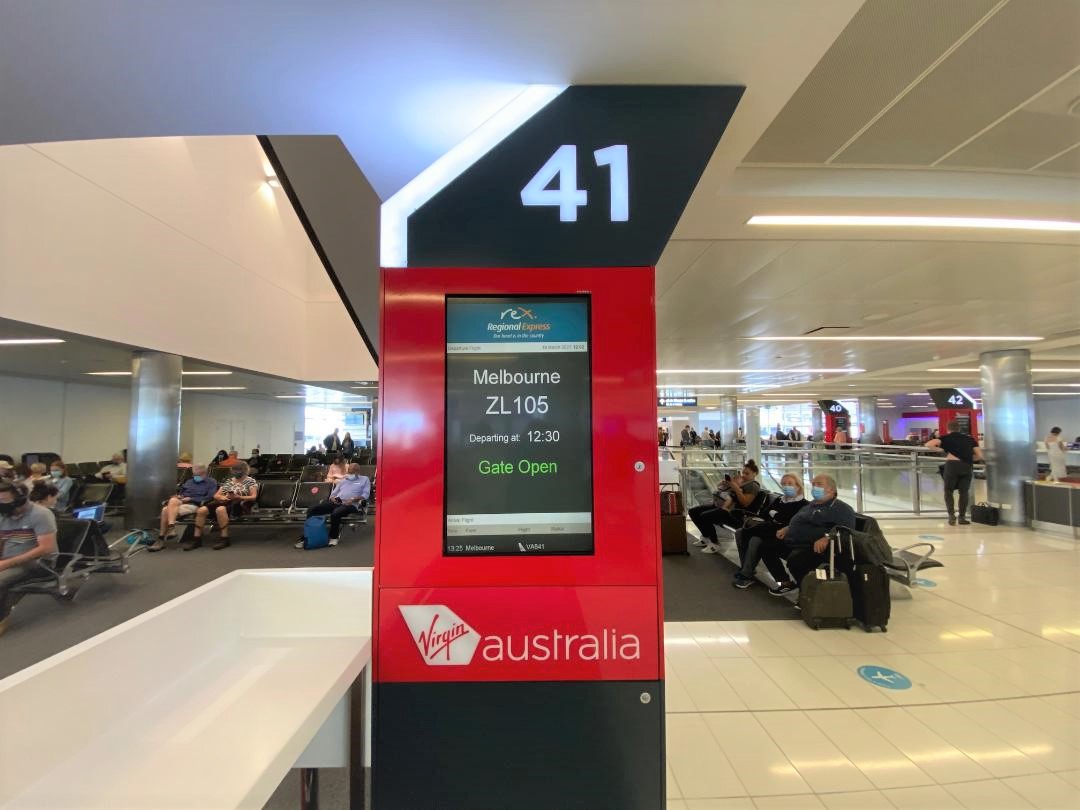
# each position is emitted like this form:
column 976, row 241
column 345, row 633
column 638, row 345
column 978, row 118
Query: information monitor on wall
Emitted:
column 518, row 426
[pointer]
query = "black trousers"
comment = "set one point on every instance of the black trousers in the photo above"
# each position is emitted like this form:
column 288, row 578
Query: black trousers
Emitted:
column 957, row 475
column 706, row 519
column 336, row 511
column 804, row 560
column 759, row 543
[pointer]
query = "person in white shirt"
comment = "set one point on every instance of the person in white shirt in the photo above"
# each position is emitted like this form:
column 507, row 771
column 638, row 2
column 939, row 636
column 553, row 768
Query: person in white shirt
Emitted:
column 116, row 471
column 1055, row 451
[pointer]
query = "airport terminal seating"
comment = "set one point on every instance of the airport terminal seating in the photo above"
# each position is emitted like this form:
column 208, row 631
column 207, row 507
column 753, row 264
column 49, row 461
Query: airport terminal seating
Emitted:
column 82, row 551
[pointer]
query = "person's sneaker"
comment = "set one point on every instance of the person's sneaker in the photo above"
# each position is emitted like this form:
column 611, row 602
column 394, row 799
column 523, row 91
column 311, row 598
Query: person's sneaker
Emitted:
column 781, row 589
column 222, row 543
column 299, row 543
column 157, row 545
column 742, row 583
column 333, row 541
column 711, row 549
column 700, row 542
column 952, row 521
column 195, row 542
column 964, row 522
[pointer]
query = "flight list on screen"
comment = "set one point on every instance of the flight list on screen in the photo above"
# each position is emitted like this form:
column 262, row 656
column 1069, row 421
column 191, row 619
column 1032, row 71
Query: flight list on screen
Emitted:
column 518, row 426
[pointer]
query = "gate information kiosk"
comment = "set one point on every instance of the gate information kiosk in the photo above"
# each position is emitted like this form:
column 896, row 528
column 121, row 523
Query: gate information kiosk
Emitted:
column 953, row 405
column 518, row 607
column 836, row 418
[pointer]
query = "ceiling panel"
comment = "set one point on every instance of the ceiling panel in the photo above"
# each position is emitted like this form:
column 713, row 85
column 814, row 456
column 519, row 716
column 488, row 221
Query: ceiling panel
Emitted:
column 883, row 49
column 1019, row 51
column 1021, row 141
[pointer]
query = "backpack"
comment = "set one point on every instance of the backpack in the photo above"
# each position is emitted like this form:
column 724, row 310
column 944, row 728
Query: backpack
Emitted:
column 870, row 544
column 316, row 532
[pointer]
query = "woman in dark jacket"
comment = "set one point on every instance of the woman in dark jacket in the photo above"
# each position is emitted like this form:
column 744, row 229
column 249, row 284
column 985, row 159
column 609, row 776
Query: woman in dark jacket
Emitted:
column 347, row 446
column 752, row 539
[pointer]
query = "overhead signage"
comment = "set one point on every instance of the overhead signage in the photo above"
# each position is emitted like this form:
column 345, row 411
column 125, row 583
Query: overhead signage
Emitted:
column 951, row 399
column 518, row 426
column 596, row 178
column 676, row 402
column 833, row 407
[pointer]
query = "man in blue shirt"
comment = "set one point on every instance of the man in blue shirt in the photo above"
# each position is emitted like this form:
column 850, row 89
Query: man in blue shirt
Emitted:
column 349, row 495
column 193, row 493
column 806, row 537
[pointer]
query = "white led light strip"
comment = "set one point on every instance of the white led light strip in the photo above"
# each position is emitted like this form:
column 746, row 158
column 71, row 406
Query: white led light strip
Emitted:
column 916, row 222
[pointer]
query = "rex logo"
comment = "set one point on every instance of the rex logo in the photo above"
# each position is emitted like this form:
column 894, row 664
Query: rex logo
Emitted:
column 441, row 636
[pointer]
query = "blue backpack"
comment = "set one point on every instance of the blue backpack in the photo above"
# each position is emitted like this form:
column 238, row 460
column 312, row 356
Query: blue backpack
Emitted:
column 316, row 532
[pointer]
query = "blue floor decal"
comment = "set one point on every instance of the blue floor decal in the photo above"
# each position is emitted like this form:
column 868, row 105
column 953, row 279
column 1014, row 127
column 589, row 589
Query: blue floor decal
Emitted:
column 884, row 677
column 925, row 583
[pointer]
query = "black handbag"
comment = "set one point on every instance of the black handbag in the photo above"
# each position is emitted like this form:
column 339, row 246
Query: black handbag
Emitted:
column 986, row 514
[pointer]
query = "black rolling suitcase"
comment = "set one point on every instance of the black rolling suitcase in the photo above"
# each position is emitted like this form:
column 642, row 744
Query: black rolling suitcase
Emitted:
column 825, row 595
column 870, row 600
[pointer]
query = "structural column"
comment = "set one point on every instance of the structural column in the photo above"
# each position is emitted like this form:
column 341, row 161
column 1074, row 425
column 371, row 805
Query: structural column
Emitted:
column 728, row 411
column 153, row 435
column 817, row 423
column 868, row 418
column 1008, row 429
column 753, row 435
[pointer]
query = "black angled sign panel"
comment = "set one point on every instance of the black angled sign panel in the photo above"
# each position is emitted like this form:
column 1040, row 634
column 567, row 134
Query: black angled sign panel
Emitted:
column 597, row 178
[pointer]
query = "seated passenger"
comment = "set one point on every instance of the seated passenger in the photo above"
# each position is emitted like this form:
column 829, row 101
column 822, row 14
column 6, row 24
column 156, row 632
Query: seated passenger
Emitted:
column 336, row 471
column 734, row 495
column 115, row 471
column 59, row 479
column 45, row 495
column 234, row 497
column 348, row 496
column 806, row 538
column 752, row 539
column 218, row 459
column 7, row 471
column 27, row 534
column 193, row 493
column 255, row 462
column 39, row 474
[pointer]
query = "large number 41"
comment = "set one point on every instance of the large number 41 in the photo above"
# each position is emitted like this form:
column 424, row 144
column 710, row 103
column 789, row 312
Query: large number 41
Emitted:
column 568, row 197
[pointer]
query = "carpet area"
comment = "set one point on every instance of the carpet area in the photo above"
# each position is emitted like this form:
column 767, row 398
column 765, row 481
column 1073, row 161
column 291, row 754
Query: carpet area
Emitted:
column 42, row 626
column 697, row 587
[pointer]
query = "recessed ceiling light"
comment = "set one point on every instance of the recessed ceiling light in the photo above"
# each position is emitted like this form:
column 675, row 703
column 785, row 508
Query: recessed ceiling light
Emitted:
column 289, row 396
column 214, row 388
column 185, row 373
column 1056, row 394
column 1055, row 385
column 206, row 373
column 272, row 181
column 28, row 341
column 914, row 338
column 107, row 373
column 1039, row 370
column 917, row 222
column 760, row 370
column 918, row 394
column 683, row 386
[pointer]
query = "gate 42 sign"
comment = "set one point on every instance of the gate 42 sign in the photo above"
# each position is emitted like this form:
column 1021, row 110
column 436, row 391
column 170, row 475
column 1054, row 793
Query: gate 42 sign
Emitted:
column 568, row 197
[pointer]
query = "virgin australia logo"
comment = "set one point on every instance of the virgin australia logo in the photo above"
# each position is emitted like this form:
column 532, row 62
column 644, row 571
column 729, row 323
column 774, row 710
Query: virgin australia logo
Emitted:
column 441, row 636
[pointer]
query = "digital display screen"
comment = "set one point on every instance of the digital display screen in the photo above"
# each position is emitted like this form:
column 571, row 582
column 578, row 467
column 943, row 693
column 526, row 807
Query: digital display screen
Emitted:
column 518, row 426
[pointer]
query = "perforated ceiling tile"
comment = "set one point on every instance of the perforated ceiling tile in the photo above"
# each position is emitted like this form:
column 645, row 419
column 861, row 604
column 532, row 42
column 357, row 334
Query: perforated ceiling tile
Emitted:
column 1019, row 142
column 883, row 49
column 1019, row 51
column 1068, row 163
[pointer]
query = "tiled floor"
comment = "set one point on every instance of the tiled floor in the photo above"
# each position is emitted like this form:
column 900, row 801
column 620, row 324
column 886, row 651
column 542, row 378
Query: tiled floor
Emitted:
column 774, row 715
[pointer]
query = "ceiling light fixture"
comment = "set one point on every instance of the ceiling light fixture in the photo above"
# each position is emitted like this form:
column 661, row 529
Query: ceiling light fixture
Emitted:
column 997, row 223
column 1055, row 385
column 1056, row 394
column 684, row 386
column 206, row 373
column 272, row 181
column 289, row 396
column 760, row 370
column 107, row 373
column 975, row 370
column 28, row 341
column 911, row 338
column 214, row 388
column 185, row 373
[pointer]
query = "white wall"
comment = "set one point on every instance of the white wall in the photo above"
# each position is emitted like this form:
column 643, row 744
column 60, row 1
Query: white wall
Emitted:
column 1064, row 412
column 159, row 243
column 80, row 422
column 212, row 422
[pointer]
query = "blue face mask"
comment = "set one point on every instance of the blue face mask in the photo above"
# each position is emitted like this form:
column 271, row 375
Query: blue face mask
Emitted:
column 818, row 493
column 56, row 473
column 197, row 479
column 791, row 491
column 351, row 477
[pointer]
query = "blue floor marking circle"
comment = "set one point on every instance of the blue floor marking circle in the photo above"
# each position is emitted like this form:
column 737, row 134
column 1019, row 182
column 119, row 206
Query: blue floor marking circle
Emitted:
column 931, row 537
column 925, row 583
column 884, row 677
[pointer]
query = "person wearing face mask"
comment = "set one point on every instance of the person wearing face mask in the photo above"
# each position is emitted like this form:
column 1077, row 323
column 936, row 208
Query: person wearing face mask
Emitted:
column 27, row 535
column 193, row 493
column 348, row 496
column 752, row 540
column 58, row 478
column 731, row 498
column 806, row 537
column 234, row 497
